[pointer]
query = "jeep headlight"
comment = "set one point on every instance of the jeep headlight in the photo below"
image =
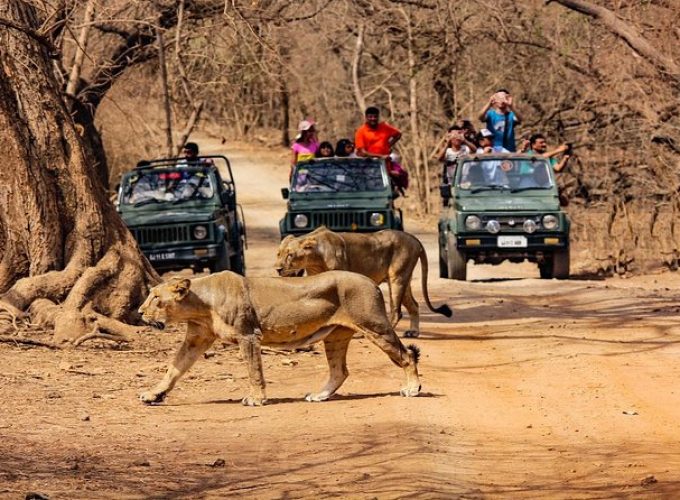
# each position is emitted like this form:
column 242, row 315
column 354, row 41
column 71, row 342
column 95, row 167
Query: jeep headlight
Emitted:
column 473, row 223
column 301, row 220
column 200, row 232
column 493, row 226
column 529, row 226
column 550, row 221
column 377, row 219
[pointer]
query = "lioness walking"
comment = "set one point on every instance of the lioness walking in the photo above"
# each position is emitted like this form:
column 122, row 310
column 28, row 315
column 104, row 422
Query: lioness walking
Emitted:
column 278, row 312
column 384, row 256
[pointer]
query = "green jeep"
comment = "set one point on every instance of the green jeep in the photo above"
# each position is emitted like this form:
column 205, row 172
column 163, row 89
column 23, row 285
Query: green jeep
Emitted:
column 502, row 207
column 343, row 194
column 184, row 213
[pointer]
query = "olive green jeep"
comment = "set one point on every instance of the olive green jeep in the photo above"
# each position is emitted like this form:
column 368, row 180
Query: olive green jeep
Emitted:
column 343, row 194
column 500, row 207
column 184, row 213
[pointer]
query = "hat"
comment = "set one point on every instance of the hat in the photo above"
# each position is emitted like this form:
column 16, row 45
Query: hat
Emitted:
column 305, row 125
column 485, row 132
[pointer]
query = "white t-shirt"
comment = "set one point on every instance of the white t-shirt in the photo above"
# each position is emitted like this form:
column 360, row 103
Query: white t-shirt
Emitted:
column 451, row 155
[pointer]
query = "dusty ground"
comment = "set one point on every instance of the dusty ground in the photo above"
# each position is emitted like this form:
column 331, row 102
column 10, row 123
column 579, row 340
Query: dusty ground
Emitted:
column 535, row 389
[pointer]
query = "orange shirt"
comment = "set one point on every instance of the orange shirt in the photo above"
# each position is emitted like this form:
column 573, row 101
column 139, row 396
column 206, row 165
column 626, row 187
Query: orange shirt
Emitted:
column 374, row 140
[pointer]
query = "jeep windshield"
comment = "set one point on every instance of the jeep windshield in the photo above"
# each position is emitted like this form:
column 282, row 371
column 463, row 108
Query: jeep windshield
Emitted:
column 503, row 174
column 339, row 176
column 167, row 186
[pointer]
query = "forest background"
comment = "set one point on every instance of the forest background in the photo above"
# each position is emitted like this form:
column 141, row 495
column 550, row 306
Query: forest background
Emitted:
column 139, row 76
column 601, row 76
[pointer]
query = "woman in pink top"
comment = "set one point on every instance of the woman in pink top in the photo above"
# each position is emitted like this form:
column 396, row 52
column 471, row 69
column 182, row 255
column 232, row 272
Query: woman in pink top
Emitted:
column 306, row 144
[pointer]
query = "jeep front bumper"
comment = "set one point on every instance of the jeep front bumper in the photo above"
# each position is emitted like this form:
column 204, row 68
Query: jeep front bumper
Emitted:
column 182, row 256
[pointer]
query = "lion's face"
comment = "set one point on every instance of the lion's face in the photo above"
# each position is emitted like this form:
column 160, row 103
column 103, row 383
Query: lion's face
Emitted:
column 295, row 255
column 163, row 301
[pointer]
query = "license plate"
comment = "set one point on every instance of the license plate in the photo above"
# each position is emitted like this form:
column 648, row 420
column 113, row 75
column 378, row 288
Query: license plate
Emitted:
column 512, row 241
column 162, row 256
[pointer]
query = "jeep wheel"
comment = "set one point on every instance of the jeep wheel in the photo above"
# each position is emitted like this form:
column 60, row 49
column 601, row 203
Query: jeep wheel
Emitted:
column 238, row 261
column 560, row 264
column 545, row 269
column 443, row 267
column 456, row 263
column 222, row 261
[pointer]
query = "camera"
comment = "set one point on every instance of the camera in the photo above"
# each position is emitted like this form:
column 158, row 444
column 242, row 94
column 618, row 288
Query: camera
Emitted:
column 570, row 149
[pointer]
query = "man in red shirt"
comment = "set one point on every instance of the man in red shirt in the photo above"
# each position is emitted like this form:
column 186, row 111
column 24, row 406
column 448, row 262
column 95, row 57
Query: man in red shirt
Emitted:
column 375, row 138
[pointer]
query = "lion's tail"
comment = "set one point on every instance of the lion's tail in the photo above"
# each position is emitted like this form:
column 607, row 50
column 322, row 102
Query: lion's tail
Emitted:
column 444, row 309
column 415, row 352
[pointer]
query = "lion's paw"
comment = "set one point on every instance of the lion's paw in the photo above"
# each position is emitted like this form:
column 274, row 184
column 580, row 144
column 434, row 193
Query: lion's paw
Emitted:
column 409, row 392
column 150, row 397
column 411, row 334
column 253, row 401
column 319, row 396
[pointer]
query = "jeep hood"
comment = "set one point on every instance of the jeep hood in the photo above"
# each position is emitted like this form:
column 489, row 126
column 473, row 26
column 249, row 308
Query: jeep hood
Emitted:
column 165, row 217
column 508, row 203
column 352, row 201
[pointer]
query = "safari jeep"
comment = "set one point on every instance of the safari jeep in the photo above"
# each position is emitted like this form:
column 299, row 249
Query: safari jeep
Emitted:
column 343, row 194
column 185, row 214
column 502, row 207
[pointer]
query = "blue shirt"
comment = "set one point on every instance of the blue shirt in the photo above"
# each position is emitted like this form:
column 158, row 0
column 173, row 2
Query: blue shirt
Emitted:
column 496, row 123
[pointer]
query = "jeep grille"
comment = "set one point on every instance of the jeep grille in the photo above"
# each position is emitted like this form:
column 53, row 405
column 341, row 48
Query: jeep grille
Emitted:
column 339, row 220
column 168, row 234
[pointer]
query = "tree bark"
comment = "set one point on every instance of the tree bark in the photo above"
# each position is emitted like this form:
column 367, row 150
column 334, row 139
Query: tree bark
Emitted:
column 163, row 73
column 68, row 259
column 356, row 63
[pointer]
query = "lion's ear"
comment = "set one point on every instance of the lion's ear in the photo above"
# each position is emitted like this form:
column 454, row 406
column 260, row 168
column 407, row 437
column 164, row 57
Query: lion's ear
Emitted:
column 286, row 240
column 309, row 243
column 180, row 289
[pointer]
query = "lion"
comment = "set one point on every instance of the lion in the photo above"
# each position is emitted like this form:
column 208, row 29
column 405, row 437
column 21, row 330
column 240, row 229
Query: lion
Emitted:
column 284, row 313
column 384, row 256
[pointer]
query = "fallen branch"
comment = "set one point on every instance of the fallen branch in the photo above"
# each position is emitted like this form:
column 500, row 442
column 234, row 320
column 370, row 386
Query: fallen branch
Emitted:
column 11, row 339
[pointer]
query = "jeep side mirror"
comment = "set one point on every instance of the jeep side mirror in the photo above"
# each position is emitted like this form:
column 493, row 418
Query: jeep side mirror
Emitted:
column 445, row 191
column 285, row 192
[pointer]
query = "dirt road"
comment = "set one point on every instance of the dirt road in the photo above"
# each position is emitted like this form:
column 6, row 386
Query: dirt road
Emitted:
column 535, row 389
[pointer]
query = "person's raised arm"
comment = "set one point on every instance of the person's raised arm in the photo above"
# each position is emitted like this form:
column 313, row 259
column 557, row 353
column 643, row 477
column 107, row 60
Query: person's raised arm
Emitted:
column 485, row 109
column 562, row 163
column 562, row 148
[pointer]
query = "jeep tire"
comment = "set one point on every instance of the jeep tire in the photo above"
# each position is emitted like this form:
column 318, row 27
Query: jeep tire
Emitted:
column 443, row 267
column 222, row 261
column 556, row 266
column 560, row 264
column 456, row 263
column 237, row 261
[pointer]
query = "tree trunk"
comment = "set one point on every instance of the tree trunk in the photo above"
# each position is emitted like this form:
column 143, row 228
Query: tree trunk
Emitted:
column 68, row 259
column 163, row 73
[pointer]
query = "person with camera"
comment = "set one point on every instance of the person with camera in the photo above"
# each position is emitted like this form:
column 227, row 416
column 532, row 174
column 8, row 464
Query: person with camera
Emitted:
column 500, row 117
column 538, row 145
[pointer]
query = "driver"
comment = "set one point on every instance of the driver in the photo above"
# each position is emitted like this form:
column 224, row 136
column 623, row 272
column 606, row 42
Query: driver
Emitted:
column 190, row 152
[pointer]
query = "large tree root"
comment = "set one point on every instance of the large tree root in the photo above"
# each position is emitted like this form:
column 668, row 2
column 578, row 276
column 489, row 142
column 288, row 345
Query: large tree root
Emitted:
column 96, row 305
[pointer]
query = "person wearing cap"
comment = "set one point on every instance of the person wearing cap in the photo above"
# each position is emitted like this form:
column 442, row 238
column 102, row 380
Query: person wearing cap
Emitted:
column 375, row 138
column 485, row 141
column 306, row 144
